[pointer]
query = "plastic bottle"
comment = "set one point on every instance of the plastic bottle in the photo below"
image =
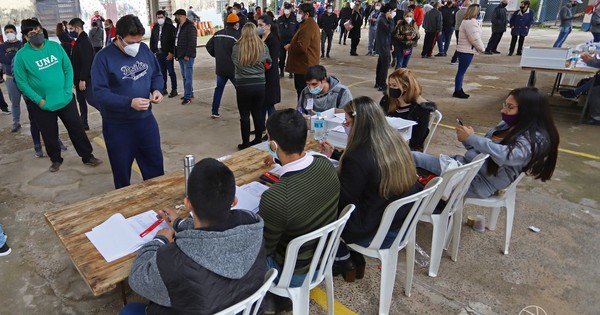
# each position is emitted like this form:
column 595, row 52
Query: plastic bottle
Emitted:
column 574, row 58
column 319, row 127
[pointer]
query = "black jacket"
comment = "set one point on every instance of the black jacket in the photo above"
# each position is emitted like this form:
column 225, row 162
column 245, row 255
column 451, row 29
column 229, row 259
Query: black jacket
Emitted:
column 328, row 22
column 287, row 28
column 416, row 112
column 383, row 39
column 272, row 85
column 357, row 21
column 220, row 46
column 243, row 19
column 82, row 56
column 448, row 17
column 433, row 21
column 187, row 40
column 499, row 19
column 345, row 14
column 167, row 38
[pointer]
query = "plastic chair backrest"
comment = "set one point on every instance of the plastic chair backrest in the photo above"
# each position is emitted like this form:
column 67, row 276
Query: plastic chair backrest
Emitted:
column 420, row 201
column 513, row 186
column 326, row 248
column 251, row 305
column 434, row 121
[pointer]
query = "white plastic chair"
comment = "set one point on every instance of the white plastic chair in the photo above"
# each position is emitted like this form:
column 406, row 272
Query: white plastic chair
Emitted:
column 447, row 224
column 434, row 121
column 506, row 200
column 251, row 305
column 328, row 238
column 404, row 239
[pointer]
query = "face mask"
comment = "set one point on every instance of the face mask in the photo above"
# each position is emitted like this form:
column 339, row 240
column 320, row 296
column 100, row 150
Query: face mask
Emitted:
column 260, row 30
column 395, row 93
column 316, row 90
column 131, row 49
column 329, row 10
column 347, row 129
column 393, row 14
column 237, row 27
column 377, row 8
column 37, row 39
column 161, row 21
column 286, row 12
column 503, row 5
column 73, row 34
column 299, row 18
column 510, row 120
column 10, row 37
column 408, row 19
column 273, row 153
column 234, row 11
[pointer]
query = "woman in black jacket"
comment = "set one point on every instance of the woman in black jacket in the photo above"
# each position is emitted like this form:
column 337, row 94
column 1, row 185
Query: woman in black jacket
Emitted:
column 354, row 34
column 66, row 41
column 404, row 100
column 267, row 29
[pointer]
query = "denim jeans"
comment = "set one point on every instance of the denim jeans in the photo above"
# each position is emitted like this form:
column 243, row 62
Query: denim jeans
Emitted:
column 563, row 33
column 221, row 81
column 464, row 61
column 2, row 236
column 167, row 67
column 14, row 94
column 187, row 72
column 371, row 43
column 427, row 162
column 596, row 37
column 297, row 279
column 133, row 309
column 443, row 41
column 401, row 59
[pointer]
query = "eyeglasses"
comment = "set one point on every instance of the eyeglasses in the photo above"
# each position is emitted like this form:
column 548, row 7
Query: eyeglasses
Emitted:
column 32, row 33
column 509, row 107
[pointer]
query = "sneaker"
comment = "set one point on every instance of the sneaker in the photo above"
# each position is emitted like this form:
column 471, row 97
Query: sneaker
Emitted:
column 460, row 94
column 39, row 153
column 369, row 54
column 93, row 162
column 439, row 55
column 186, row 101
column 5, row 250
column 455, row 62
column 215, row 115
column 592, row 121
column 510, row 53
column 243, row 146
column 291, row 75
column 488, row 53
column 328, row 55
column 5, row 111
column 173, row 94
column 15, row 128
column 569, row 94
column 496, row 52
column 164, row 92
column 55, row 167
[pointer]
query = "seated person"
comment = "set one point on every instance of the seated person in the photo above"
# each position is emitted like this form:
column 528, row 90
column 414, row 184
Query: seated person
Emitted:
column 322, row 92
column 526, row 140
column 303, row 200
column 403, row 99
column 375, row 169
column 594, row 94
column 217, row 258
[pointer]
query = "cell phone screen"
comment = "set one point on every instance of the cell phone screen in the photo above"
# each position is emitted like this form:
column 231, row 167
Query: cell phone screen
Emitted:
column 459, row 122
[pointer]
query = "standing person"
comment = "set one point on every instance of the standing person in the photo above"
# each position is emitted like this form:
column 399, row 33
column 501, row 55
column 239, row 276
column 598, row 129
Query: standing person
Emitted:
column 433, row 27
column 127, row 81
column 406, row 36
column 270, row 37
column 448, row 21
column 185, row 51
column 96, row 36
column 595, row 22
column 81, row 59
column 354, row 34
column 383, row 44
column 44, row 31
column 250, row 57
column 566, row 21
column 288, row 25
column 110, row 30
column 328, row 23
column 418, row 14
column 304, row 48
column 66, row 41
column 459, row 16
column 97, row 18
column 499, row 21
column 192, row 16
column 8, row 49
column 368, row 10
column 162, row 44
column 468, row 46
column 345, row 14
column 373, row 21
column 237, row 9
column 220, row 46
column 44, row 75
column 520, row 22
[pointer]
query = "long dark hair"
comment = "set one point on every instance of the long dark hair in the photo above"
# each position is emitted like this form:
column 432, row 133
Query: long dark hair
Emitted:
column 267, row 19
column 535, row 123
column 60, row 28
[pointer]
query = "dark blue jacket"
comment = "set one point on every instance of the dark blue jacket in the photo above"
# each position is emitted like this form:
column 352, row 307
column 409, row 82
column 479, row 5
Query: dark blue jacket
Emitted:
column 521, row 22
column 118, row 78
column 7, row 54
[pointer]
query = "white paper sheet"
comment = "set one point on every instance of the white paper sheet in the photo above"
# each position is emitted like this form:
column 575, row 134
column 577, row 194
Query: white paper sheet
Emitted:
column 247, row 200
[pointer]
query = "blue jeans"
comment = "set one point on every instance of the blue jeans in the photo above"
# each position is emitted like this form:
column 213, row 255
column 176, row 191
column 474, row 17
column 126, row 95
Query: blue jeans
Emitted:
column 371, row 40
column 444, row 40
column 596, row 37
column 33, row 128
column 464, row 61
column 401, row 59
column 133, row 309
column 167, row 66
column 563, row 33
column 2, row 236
column 297, row 279
column 187, row 72
column 427, row 162
column 14, row 94
column 221, row 81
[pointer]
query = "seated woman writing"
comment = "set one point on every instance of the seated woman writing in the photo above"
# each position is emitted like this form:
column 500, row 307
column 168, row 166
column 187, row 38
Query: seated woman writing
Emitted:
column 526, row 140
column 404, row 100
column 375, row 169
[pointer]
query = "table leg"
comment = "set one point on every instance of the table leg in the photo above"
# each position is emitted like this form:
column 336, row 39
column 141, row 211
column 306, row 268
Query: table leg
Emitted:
column 556, row 85
column 587, row 101
column 123, row 293
column 531, row 81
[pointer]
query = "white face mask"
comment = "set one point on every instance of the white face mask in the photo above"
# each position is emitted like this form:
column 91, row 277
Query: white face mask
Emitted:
column 286, row 11
column 234, row 12
column 11, row 36
column 393, row 14
column 161, row 21
column 131, row 49
column 408, row 20
column 377, row 8
column 329, row 10
column 299, row 18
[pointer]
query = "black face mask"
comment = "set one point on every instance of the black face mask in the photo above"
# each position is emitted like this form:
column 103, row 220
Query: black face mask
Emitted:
column 395, row 93
column 37, row 39
column 503, row 5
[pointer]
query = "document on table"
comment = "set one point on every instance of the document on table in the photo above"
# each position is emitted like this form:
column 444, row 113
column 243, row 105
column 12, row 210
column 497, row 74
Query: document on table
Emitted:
column 118, row 237
column 249, row 196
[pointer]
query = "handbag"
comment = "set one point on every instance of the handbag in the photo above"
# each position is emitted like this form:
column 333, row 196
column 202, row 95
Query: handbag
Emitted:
column 406, row 52
column 348, row 25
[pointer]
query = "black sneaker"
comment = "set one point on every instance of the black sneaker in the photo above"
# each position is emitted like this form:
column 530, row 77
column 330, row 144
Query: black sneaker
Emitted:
column 460, row 94
column 281, row 75
column 39, row 153
column 55, row 167
column 593, row 121
column 496, row 52
column 5, row 250
column 164, row 92
column 173, row 94
column 15, row 128
column 488, row 53
column 186, row 101
column 328, row 55
column 93, row 162
column 291, row 75
column 569, row 94
column 5, row 111
column 510, row 53
column 440, row 55
column 63, row 147
column 215, row 116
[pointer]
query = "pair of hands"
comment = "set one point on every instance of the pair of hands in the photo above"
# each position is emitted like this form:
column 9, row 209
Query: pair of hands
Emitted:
column 463, row 132
column 169, row 215
column 140, row 103
column 326, row 148
column 587, row 57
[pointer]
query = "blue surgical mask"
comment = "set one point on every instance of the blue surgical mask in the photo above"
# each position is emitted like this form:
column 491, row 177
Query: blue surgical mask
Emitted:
column 73, row 34
column 274, row 153
column 316, row 90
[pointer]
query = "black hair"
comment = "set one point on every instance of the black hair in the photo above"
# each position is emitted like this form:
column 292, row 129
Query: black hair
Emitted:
column 109, row 21
column 76, row 22
column 237, row 6
column 526, row 2
column 386, row 8
column 287, row 127
column 10, row 27
column 270, row 13
column 307, row 8
column 267, row 19
column 211, row 190
column 29, row 25
column 317, row 72
column 129, row 25
column 161, row 12
column 535, row 123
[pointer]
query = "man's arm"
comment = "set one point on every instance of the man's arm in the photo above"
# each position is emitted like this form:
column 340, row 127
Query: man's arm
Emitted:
column 210, row 46
column 192, row 40
column 102, row 92
column 87, row 56
column 67, row 70
column 144, row 277
column 274, row 217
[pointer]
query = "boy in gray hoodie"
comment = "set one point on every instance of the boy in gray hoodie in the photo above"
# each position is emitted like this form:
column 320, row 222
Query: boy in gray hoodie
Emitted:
column 322, row 92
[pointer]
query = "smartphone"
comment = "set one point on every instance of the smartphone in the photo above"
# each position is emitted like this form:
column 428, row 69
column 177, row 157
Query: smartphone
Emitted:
column 459, row 122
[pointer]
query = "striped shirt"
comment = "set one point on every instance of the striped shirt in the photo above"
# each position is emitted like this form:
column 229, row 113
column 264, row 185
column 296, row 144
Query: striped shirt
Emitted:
column 300, row 202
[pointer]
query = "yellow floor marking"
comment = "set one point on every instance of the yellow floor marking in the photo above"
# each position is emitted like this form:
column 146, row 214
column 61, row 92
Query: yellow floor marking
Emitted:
column 101, row 143
column 320, row 297
column 577, row 153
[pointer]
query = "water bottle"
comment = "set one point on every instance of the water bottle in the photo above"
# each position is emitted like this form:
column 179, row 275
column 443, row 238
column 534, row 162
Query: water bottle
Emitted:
column 188, row 165
column 574, row 58
column 319, row 127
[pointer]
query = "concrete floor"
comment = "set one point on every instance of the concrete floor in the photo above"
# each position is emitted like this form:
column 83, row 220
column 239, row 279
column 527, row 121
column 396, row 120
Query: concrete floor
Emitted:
column 555, row 269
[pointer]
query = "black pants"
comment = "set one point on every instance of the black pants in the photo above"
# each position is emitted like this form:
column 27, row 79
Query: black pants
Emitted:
column 383, row 63
column 513, row 41
column 299, row 83
column 353, row 44
column 282, row 55
column 83, row 98
column 343, row 33
column 47, row 122
column 494, row 41
column 428, row 43
column 250, row 99
column 326, row 34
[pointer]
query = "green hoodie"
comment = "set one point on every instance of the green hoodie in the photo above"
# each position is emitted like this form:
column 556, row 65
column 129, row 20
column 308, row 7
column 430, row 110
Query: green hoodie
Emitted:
column 45, row 73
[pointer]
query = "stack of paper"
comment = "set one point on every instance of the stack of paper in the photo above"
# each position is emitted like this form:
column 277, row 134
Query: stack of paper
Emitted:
column 249, row 196
column 118, row 237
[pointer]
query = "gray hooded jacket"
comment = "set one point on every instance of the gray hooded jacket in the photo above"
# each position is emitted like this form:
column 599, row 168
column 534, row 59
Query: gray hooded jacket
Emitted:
column 337, row 96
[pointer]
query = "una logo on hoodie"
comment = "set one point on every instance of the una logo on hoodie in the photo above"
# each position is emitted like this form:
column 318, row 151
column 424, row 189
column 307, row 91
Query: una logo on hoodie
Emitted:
column 46, row 62
column 135, row 71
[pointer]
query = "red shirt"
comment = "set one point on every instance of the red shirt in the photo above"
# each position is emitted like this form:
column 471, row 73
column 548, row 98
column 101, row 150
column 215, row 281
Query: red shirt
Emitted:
column 418, row 15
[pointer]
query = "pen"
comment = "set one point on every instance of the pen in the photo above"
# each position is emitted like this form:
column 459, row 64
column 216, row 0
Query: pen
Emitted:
column 152, row 227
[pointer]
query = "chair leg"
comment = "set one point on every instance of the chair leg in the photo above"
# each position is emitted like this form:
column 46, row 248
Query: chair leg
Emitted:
column 300, row 301
column 410, row 263
column 456, row 226
column 510, row 215
column 437, row 245
column 494, row 218
column 329, row 290
column 389, row 263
